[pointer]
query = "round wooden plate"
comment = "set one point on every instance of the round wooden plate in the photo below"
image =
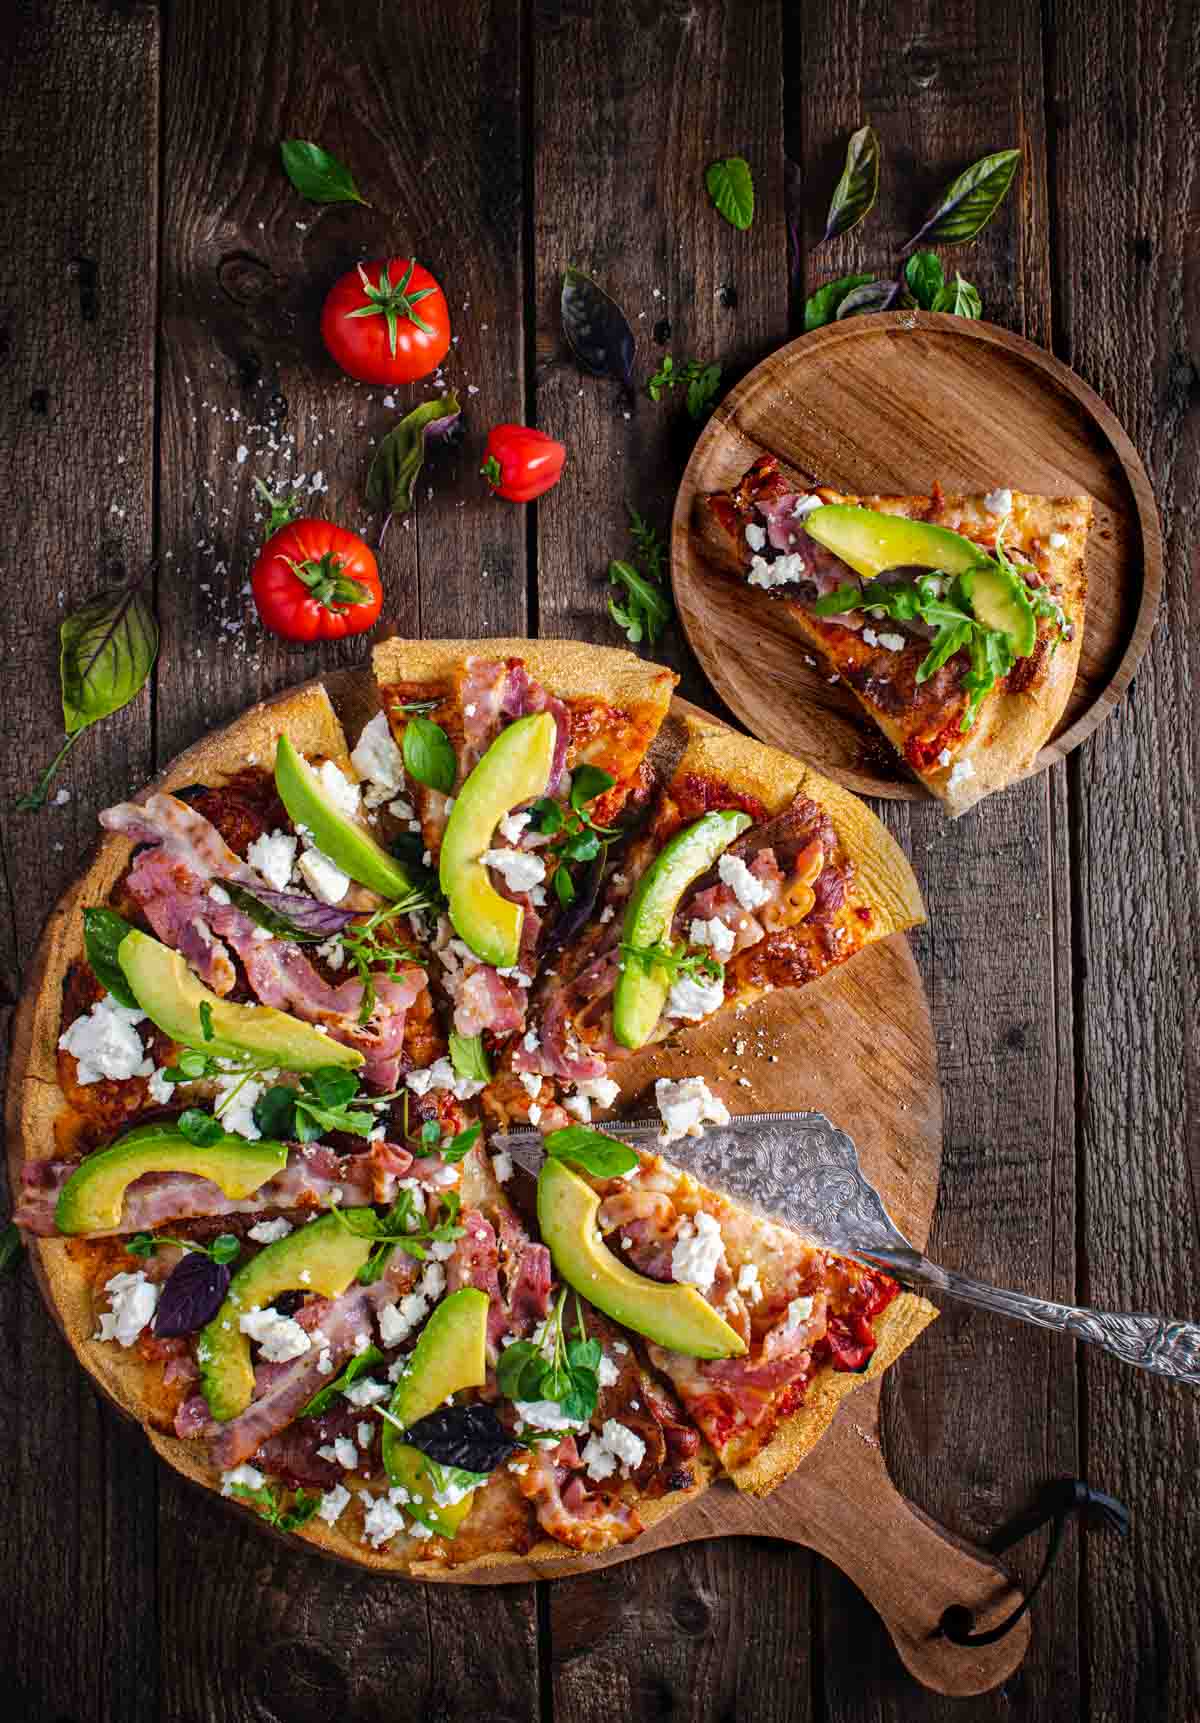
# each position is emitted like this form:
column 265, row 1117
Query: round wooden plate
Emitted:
column 889, row 404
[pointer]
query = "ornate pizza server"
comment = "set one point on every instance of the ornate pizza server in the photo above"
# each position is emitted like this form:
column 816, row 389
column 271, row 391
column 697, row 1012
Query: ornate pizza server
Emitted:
column 801, row 1170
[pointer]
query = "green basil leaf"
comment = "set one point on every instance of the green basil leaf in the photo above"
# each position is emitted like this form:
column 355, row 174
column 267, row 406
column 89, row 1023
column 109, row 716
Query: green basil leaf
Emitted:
column 469, row 1058
column 11, row 1247
column 199, row 1127
column 959, row 298
column 401, row 455
column 969, row 202
column 360, row 1365
column 855, row 193
column 225, row 1247
column 275, row 1113
column 602, row 1156
column 429, row 754
column 923, row 274
column 331, row 1085
column 511, row 1363
column 317, row 175
column 564, row 886
column 206, row 1021
column 821, row 307
column 871, row 296
column 731, row 188
column 588, row 783
column 461, row 1144
column 103, row 931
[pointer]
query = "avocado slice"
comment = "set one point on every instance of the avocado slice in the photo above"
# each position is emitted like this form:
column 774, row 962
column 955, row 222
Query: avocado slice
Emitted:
column 325, row 1252
column 675, row 1316
column 515, row 769
column 450, row 1354
column 92, row 1198
column 999, row 600
column 171, row 996
column 641, row 992
column 335, row 834
column 871, row 542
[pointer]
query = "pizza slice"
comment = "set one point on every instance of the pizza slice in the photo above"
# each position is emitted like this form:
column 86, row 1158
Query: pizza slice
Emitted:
column 751, row 872
column 956, row 621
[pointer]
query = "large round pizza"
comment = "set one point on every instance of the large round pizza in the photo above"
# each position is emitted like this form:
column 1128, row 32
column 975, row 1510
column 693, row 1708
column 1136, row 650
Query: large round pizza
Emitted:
column 305, row 981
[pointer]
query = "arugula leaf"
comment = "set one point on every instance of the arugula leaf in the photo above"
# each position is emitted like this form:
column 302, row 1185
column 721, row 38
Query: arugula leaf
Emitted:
column 645, row 609
column 206, row 1020
column 460, row 1145
column 675, row 959
column 969, row 202
column 12, row 1247
column 924, row 278
column 199, row 1127
column 360, row 1365
column 317, row 175
column 821, row 307
column 602, row 1156
column 855, row 193
column 950, row 638
column 959, row 297
column 103, row 931
column 700, row 380
column 731, row 188
column 648, row 545
column 469, row 1058
column 429, row 754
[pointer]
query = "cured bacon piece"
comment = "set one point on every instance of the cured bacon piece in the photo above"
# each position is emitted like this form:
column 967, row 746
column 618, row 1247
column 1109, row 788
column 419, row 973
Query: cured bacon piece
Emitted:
column 489, row 1000
column 186, row 836
column 566, row 1511
column 645, row 1224
column 529, row 1298
column 476, row 1262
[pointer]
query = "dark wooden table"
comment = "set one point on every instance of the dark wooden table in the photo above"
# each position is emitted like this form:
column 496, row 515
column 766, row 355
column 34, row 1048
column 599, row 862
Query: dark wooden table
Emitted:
column 158, row 278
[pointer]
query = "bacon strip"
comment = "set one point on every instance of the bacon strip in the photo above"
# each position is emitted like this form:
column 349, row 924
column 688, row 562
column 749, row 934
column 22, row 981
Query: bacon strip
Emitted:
column 567, row 1512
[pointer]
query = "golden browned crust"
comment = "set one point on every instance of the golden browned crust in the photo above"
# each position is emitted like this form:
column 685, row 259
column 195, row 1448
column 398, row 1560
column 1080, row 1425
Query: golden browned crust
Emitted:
column 566, row 666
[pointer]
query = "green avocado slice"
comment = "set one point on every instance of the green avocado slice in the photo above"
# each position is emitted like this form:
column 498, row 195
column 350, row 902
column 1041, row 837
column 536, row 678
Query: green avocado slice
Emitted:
column 328, row 1256
column 674, row 1316
column 451, row 1354
column 999, row 600
column 515, row 769
column 641, row 991
column 871, row 542
column 171, row 996
column 342, row 839
column 92, row 1198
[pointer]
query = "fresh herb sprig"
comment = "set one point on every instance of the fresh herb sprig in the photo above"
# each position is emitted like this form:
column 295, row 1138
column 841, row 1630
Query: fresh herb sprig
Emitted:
column 563, row 1371
column 225, row 1248
column 404, row 1225
column 361, row 1364
column 576, row 835
column 645, row 609
column 603, row 1157
column 373, row 942
column 676, row 960
column 700, row 380
column 322, row 1103
column 1045, row 606
column 304, row 1505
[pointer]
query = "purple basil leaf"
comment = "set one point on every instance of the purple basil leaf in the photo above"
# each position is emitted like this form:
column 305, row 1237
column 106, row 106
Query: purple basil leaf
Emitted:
column 398, row 460
column 470, row 1437
column 572, row 919
column 871, row 296
column 596, row 327
column 192, row 1295
column 290, row 914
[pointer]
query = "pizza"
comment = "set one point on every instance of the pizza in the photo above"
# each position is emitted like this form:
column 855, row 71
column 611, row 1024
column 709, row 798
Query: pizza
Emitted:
column 249, row 1144
column 956, row 621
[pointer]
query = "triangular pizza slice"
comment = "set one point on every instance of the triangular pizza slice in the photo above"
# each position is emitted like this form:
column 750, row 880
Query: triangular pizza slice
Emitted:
column 956, row 621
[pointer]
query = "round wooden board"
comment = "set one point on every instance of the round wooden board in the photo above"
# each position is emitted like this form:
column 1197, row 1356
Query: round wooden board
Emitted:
column 890, row 404
column 859, row 1046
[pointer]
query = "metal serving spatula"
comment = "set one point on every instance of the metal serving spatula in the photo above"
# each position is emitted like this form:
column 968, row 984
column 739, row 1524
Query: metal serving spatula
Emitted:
column 799, row 1169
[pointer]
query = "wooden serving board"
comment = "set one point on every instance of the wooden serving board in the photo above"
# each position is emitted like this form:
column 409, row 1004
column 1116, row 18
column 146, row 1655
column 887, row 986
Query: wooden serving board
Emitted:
column 858, row 1046
column 890, row 404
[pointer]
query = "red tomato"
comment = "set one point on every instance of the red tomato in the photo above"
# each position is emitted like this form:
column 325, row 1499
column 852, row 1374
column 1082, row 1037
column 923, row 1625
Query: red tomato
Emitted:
column 316, row 581
column 521, row 463
column 387, row 321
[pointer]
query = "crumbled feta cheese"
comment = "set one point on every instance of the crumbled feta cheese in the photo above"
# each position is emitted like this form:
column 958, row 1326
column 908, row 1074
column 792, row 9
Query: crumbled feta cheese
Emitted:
column 502, row 1166
column 805, row 506
column 892, row 642
column 248, row 1476
column 323, row 877
column 535, row 1115
column 381, row 1520
column 756, row 536
column 751, row 893
column 512, row 825
column 332, row 1503
column 1058, row 541
column 698, row 1250
column 325, row 1361
column 684, row 1106
column 614, row 1443
column 274, row 855
column 963, row 771
column 693, row 999
column 869, row 636
column 713, row 933
column 944, row 757
column 396, row 1323
column 270, row 1231
column 333, row 951
column 521, row 871
column 607, row 1373
column 799, row 1311
column 531, row 1082
column 530, row 1041
column 106, row 1044
column 280, row 1337
column 340, row 1452
column 417, row 1529
column 545, row 1415
column 442, row 1075
column 451, row 1493
column 161, row 1089
column 781, row 572
column 219, row 896
column 602, row 1090
column 338, row 788
column 132, row 1302
column 747, row 1283
column 580, row 1106
column 606, row 914
column 998, row 502
column 236, row 1110
column 367, row 1393
column 365, row 1433
column 377, row 757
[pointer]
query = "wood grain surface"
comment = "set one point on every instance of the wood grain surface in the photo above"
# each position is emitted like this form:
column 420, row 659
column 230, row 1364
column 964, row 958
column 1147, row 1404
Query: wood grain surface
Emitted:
column 888, row 404
column 154, row 281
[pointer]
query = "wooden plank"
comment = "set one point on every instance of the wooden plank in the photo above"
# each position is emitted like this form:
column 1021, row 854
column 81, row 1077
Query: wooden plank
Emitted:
column 631, row 104
column 426, row 111
column 77, row 297
column 1127, row 259
column 942, row 88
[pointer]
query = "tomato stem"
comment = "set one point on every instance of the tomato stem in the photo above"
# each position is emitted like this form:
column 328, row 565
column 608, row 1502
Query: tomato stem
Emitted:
column 391, row 302
column 491, row 471
column 37, row 797
column 327, row 584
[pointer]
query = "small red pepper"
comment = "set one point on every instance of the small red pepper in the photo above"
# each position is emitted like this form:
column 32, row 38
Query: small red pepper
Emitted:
column 521, row 463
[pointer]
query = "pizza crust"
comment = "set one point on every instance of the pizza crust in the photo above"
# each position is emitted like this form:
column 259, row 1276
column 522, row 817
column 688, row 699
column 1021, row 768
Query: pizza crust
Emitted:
column 567, row 667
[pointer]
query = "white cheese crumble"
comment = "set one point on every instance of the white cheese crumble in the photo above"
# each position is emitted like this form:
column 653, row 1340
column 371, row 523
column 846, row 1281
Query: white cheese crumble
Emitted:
column 963, row 771
column 381, row 1521
column 1058, row 541
column 521, row 871
column 713, row 933
column 219, row 896
column 502, row 1166
column 323, row 877
column 799, row 1311
column 892, row 642
column 106, row 1044
column 377, row 757
column 280, row 1337
column 132, row 1300
column 338, row 789
column 442, row 1075
column 698, row 1250
column 607, row 1373
column 340, row 1452
column 270, row 1231
column 531, row 1082
column 333, row 951
column 237, row 1113
column 781, row 572
column 161, row 1088
column 580, row 1106
column 805, row 506
column 869, row 636
column 944, row 757
column 365, row 1433
column 274, row 855
column 747, row 1283
column 693, row 999
column 603, row 1090
column 684, row 1107
column 545, row 1415
column 366, row 1393
column 332, row 1503
column 756, row 537
column 750, row 892
column 249, row 1476
column 614, row 1443
column 998, row 502
column 512, row 825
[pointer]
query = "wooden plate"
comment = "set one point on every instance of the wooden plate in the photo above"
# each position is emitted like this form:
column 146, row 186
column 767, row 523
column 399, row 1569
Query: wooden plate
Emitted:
column 858, row 1045
column 891, row 403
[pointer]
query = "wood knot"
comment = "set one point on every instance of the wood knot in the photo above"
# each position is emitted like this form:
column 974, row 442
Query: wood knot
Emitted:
column 298, row 1682
column 247, row 280
column 691, row 1615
